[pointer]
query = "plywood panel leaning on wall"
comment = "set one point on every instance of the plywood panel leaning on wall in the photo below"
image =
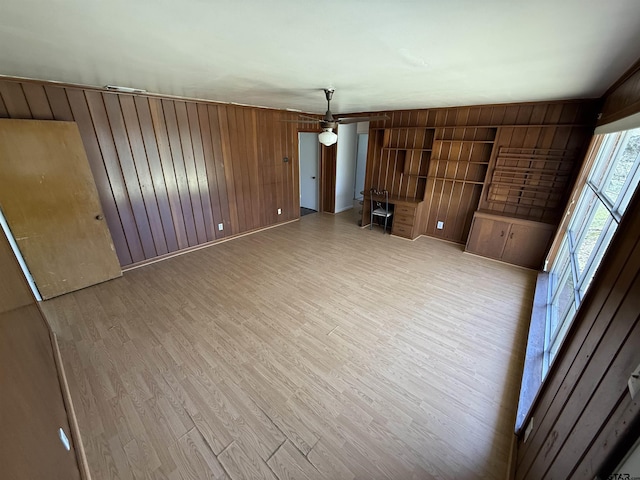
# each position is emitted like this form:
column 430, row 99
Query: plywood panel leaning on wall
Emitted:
column 49, row 199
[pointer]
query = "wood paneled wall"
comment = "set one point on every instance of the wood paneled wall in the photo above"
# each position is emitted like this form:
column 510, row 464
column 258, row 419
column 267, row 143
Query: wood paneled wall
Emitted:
column 584, row 419
column 170, row 171
column 584, row 412
column 328, row 159
column 623, row 98
column 568, row 123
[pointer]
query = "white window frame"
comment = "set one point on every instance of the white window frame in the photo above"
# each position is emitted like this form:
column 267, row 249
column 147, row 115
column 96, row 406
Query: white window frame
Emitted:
column 582, row 217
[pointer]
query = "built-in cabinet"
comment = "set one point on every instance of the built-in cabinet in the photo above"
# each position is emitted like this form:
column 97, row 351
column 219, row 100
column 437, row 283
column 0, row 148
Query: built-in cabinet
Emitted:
column 516, row 162
column 512, row 240
column 406, row 217
column 405, row 158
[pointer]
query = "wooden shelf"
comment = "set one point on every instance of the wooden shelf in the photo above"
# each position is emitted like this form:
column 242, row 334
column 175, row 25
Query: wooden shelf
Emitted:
column 533, row 180
column 520, row 187
column 458, row 161
column 459, row 180
column 537, row 171
column 408, row 149
column 521, row 205
column 462, row 141
column 396, row 200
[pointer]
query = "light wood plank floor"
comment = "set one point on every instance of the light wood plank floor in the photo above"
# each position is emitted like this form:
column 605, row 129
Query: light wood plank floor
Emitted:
column 313, row 350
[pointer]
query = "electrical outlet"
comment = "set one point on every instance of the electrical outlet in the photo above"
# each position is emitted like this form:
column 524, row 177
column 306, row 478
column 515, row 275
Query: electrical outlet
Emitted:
column 634, row 383
column 440, row 225
column 220, row 226
column 279, row 211
column 64, row 439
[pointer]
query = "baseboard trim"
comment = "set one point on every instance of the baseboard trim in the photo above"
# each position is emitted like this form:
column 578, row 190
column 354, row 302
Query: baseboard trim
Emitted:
column 167, row 256
column 80, row 453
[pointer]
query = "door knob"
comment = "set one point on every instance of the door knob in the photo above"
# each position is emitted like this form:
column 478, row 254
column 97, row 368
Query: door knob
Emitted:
column 99, row 217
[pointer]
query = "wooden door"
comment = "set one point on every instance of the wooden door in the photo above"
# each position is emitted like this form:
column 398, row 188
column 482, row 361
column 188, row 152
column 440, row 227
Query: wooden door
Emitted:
column 527, row 245
column 32, row 409
column 488, row 237
column 50, row 201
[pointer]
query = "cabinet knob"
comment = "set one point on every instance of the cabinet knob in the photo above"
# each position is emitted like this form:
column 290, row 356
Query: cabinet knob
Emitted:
column 511, row 236
column 99, row 217
column 502, row 233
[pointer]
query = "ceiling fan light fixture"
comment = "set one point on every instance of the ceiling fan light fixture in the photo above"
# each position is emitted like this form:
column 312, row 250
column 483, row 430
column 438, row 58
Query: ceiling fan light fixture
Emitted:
column 327, row 137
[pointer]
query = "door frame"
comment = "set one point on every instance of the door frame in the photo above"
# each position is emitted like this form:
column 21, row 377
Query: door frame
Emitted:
column 356, row 194
column 319, row 183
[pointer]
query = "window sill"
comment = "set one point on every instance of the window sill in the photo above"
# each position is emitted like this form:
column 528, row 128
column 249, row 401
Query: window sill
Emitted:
column 532, row 372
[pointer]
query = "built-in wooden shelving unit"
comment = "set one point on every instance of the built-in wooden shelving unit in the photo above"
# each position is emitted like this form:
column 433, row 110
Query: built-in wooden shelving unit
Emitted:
column 406, row 152
column 532, row 180
column 447, row 161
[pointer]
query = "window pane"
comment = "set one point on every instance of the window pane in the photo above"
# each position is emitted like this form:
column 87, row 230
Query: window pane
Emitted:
column 564, row 299
column 563, row 331
column 592, row 233
column 605, row 157
column 607, row 235
column 581, row 217
column 622, row 166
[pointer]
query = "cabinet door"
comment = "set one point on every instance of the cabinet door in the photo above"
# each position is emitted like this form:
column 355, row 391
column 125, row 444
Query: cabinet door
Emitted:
column 488, row 237
column 527, row 245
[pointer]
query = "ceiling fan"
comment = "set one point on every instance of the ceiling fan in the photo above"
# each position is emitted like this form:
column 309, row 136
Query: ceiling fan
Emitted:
column 328, row 123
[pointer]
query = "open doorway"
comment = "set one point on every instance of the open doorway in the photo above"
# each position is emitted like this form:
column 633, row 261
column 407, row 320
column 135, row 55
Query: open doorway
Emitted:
column 309, row 154
column 361, row 165
column 361, row 168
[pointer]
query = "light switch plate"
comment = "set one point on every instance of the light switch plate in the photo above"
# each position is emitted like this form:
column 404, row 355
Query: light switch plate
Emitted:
column 440, row 225
column 279, row 211
column 220, row 226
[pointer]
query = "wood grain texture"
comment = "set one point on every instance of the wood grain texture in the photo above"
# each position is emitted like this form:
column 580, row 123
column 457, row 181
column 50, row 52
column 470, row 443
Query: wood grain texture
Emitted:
column 532, row 171
column 328, row 159
column 584, row 415
column 32, row 408
column 51, row 205
column 169, row 171
column 239, row 465
column 289, row 464
column 623, row 98
column 279, row 365
column 458, row 152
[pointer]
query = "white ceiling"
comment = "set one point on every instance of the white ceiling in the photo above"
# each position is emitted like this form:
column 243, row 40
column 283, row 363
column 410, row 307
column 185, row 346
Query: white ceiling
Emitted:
column 378, row 55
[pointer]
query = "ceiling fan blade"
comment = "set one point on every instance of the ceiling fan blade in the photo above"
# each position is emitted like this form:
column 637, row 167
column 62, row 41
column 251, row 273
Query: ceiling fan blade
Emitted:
column 362, row 119
column 307, row 117
column 302, row 121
